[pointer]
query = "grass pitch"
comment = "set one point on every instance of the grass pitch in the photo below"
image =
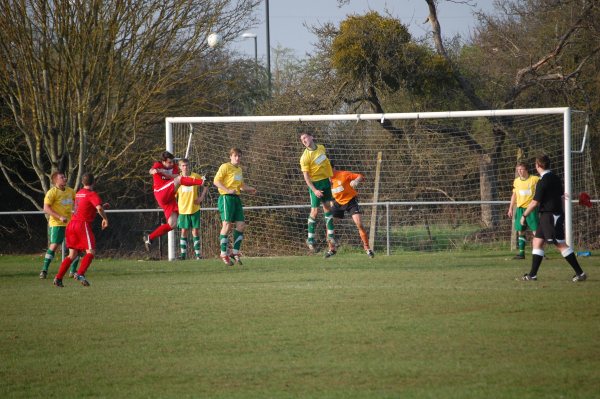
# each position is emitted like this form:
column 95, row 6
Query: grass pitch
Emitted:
column 443, row 325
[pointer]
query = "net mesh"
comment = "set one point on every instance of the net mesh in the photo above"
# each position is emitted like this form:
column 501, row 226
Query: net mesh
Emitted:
column 442, row 183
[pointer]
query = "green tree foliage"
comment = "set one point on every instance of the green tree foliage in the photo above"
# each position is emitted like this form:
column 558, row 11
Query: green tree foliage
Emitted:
column 379, row 52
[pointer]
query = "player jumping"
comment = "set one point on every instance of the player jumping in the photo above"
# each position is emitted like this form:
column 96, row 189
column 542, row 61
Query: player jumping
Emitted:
column 316, row 171
column 166, row 182
column 343, row 185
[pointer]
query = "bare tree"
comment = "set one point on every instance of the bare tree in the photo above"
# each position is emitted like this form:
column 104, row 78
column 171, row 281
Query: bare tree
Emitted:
column 535, row 64
column 83, row 81
column 538, row 68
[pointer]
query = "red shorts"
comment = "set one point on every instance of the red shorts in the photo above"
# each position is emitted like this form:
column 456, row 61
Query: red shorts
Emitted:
column 79, row 236
column 165, row 196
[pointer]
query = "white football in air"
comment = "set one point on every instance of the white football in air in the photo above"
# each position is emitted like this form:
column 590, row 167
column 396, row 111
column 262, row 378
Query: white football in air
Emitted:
column 213, row 39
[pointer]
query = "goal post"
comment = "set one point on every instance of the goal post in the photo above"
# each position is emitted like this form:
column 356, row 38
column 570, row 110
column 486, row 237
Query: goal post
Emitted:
column 456, row 166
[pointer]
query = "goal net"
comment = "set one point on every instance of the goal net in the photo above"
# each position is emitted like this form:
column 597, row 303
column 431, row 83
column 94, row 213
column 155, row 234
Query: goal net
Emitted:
column 433, row 181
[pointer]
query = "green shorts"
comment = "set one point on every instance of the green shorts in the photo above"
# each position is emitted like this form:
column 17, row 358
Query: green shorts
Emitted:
column 230, row 208
column 189, row 221
column 323, row 185
column 531, row 220
column 56, row 234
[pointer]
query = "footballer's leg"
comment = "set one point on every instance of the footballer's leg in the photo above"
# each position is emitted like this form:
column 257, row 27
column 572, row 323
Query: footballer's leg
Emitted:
column 238, row 236
column 224, row 243
column 55, row 236
column 224, row 205
column 328, row 215
column 522, row 240
column 363, row 235
column 312, row 223
column 85, row 264
column 164, row 228
column 195, row 224
column 182, row 243
column 197, row 252
column 64, row 266
column 74, row 266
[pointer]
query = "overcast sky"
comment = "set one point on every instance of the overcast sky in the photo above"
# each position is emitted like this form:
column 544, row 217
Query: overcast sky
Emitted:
column 288, row 17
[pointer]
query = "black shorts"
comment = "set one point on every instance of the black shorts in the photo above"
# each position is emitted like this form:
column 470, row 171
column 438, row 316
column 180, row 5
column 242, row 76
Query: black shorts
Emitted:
column 551, row 227
column 351, row 207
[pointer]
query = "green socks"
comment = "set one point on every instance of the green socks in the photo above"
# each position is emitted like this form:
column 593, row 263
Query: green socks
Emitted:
column 521, row 245
column 237, row 241
column 197, row 246
column 311, row 230
column 329, row 224
column 48, row 259
column 182, row 247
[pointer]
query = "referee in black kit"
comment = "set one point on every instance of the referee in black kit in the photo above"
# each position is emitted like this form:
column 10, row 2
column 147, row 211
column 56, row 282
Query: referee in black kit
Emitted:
column 551, row 228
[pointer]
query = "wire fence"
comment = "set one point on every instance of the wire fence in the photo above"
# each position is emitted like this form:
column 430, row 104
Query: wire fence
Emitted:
column 399, row 226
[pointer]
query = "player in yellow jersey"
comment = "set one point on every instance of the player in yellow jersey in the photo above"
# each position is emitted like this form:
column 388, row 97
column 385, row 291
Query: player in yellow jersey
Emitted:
column 58, row 205
column 188, row 202
column 523, row 192
column 230, row 182
column 316, row 171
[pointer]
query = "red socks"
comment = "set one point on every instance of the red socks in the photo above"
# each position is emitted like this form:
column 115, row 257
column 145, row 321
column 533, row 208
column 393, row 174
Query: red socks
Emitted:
column 190, row 181
column 85, row 263
column 66, row 263
column 161, row 230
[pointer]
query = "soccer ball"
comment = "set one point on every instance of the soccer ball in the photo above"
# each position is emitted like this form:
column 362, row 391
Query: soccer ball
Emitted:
column 213, row 39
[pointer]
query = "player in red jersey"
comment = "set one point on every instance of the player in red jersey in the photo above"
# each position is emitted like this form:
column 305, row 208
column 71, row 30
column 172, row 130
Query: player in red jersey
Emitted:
column 165, row 174
column 79, row 233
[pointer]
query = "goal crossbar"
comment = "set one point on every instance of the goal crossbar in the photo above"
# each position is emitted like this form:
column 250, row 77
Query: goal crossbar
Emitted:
column 365, row 117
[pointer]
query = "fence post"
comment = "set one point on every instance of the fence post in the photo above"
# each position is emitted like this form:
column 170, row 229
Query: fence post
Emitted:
column 373, row 228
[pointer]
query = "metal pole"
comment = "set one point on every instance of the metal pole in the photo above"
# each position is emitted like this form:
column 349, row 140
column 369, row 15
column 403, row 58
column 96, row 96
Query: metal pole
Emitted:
column 171, row 234
column 568, row 179
column 387, row 226
column 268, row 45
column 255, row 51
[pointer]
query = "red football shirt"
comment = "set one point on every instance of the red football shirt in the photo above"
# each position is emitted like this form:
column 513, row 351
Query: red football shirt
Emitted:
column 86, row 202
column 160, row 180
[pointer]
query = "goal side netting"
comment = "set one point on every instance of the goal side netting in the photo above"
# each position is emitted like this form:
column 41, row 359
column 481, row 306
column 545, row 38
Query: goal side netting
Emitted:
column 433, row 181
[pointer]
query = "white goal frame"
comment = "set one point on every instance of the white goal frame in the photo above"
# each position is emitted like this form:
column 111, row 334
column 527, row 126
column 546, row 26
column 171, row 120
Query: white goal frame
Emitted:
column 565, row 111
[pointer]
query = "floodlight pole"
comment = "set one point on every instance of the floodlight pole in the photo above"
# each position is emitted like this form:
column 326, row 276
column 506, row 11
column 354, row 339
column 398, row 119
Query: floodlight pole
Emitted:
column 268, row 44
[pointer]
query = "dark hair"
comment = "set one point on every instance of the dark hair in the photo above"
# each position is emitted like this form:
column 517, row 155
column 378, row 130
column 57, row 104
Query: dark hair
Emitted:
column 87, row 179
column 306, row 130
column 235, row 150
column 543, row 161
column 167, row 155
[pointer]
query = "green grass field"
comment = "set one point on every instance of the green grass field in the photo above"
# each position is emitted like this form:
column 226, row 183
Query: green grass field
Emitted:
column 442, row 325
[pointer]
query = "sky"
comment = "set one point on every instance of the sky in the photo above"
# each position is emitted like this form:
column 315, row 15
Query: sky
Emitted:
column 288, row 17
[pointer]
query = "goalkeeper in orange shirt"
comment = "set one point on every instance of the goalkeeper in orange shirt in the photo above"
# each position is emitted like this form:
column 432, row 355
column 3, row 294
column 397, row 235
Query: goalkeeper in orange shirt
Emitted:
column 343, row 188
